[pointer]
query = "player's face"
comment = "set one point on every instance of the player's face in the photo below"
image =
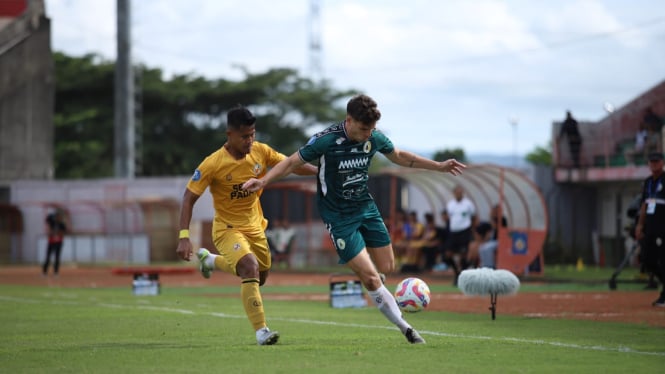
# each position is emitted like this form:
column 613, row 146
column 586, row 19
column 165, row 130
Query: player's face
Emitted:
column 358, row 131
column 240, row 141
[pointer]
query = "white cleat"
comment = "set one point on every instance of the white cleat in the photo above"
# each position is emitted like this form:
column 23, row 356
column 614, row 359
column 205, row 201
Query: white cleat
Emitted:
column 266, row 337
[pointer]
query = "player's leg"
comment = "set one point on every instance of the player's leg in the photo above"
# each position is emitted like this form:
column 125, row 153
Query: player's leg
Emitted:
column 57, row 249
column 246, row 257
column 373, row 232
column 47, row 260
column 376, row 239
column 384, row 300
column 251, row 268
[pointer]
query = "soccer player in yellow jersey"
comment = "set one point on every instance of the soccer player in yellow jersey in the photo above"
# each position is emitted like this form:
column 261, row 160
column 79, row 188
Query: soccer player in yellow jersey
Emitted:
column 238, row 229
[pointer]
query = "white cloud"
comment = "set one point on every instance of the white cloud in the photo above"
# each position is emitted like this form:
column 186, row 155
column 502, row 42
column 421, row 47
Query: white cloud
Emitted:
column 445, row 73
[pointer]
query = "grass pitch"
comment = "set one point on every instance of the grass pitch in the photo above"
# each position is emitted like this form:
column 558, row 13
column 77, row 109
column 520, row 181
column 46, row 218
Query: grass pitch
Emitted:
column 186, row 330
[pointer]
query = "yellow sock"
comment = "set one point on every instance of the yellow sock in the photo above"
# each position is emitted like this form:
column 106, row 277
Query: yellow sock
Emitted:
column 251, row 300
column 221, row 263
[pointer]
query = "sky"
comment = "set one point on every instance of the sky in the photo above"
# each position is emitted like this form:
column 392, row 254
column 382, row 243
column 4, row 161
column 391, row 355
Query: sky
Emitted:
column 487, row 76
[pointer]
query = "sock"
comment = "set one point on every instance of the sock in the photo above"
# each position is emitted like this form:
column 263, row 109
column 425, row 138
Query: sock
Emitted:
column 251, row 300
column 386, row 303
column 218, row 262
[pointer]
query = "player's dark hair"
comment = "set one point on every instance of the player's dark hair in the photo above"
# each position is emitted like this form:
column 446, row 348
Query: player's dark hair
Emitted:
column 238, row 117
column 364, row 109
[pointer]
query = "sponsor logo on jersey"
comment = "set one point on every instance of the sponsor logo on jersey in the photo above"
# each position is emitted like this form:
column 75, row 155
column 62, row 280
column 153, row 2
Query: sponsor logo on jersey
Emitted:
column 238, row 192
column 350, row 179
column 197, row 175
column 353, row 163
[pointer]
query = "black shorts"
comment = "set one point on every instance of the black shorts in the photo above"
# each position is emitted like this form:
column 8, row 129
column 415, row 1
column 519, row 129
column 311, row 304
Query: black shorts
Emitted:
column 458, row 241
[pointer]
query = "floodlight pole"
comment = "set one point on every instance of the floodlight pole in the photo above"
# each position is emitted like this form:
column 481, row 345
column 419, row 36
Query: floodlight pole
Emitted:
column 513, row 122
column 124, row 96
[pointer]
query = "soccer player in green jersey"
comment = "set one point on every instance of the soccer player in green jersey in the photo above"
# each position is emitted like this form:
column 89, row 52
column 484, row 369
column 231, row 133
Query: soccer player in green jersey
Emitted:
column 344, row 152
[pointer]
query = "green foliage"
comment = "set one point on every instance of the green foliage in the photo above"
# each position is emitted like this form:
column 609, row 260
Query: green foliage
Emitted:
column 541, row 155
column 182, row 118
column 445, row 154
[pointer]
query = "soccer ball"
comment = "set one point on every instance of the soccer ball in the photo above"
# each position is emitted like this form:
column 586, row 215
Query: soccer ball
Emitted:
column 412, row 295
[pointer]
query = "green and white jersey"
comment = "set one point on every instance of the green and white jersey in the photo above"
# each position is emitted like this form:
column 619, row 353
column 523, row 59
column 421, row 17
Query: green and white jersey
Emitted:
column 343, row 168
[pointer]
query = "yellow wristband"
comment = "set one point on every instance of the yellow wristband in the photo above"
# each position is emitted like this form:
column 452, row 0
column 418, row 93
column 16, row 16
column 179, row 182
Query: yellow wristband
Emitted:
column 184, row 234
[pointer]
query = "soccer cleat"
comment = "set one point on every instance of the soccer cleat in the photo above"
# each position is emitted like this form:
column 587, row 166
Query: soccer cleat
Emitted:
column 660, row 302
column 266, row 337
column 413, row 337
column 202, row 255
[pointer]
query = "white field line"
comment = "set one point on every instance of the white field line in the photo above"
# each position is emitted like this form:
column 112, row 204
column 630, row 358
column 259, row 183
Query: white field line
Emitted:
column 600, row 348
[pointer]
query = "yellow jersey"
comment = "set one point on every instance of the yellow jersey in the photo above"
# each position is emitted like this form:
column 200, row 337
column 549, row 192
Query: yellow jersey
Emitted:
column 224, row 176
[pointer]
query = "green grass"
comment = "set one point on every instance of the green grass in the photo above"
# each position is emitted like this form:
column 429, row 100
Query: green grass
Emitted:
column 188, row 330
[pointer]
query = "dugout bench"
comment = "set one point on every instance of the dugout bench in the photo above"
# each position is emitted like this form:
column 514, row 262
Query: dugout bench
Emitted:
column 146, row 279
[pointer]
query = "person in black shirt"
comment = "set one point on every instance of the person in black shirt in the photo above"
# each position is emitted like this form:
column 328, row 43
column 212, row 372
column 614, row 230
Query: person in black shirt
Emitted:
column 56, row 228
column 570, row 130
column 650, row 228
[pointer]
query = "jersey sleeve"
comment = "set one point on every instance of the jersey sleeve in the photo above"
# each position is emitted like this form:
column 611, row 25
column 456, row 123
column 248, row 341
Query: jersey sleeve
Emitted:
column 271, row 157
column 383, row 144
column 313, row 149
column 202, row 176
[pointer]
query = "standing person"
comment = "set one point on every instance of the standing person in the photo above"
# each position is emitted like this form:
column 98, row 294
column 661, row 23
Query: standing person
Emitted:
column 238, row 229
column 55, row 230
column 362, row 242
column 650, row 228
column 461, row 219
column 570, row 130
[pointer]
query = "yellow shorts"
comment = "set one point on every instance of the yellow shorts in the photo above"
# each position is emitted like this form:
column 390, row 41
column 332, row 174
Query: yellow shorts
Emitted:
column 234, row 245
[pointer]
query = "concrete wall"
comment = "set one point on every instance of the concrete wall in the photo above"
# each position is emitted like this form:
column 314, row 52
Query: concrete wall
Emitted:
column 27, row 88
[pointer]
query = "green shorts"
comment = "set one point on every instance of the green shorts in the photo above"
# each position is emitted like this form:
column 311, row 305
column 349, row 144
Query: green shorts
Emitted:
column 352, row 233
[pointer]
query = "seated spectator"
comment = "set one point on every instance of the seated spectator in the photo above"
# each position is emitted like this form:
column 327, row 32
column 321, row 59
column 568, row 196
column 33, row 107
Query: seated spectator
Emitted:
column 494, row 220
column 422, row 253
column 414, row 242
column 400, row 233
column 487, row 247
column 473, row 254
column 482, row 250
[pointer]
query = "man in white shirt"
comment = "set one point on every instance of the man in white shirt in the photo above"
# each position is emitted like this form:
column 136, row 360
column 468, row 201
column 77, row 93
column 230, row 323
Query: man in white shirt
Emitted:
column 460, row 216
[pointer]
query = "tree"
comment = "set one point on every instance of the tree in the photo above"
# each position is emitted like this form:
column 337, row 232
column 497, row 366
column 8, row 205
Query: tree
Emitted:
column 445, row 154
column 83, row 117
column 541, row 155
column 182, row 119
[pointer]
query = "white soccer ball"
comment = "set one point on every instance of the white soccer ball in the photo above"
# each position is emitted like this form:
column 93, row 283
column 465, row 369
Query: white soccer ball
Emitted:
column 412, row 295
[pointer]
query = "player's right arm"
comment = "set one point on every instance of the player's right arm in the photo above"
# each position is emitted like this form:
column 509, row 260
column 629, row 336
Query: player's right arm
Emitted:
column 282, row 169
column 184, row 249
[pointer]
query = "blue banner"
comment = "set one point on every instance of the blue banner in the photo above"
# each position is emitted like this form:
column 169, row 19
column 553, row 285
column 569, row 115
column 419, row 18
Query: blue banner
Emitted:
column 519, row 242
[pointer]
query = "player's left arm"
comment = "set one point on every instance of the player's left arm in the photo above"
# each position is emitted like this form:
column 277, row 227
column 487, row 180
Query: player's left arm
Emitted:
column 412, row 160
column 282, row 169
column 307, row 169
